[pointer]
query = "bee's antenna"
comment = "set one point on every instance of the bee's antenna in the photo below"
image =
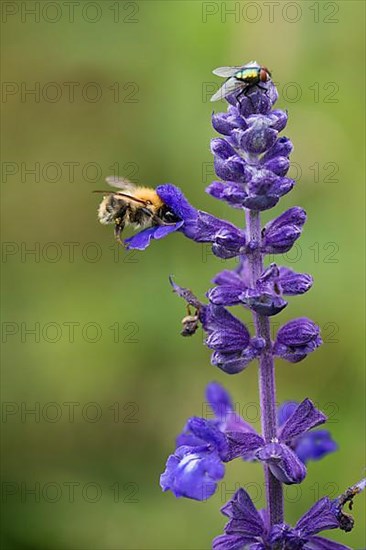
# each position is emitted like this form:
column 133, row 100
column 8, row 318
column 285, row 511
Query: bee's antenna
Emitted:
column 130, row 197
column 121, row 195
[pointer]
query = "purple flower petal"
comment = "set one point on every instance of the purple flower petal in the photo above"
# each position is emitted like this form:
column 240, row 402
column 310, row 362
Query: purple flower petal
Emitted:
column 305, row 417
column 278, row 165
column 298, row 332
column 242, row 444
column 242, row 509
column 262, row 303
column 141, row 240
column 225, row 295
column 231, row 542
column 285, row 411
column 221, row 148
column 259, row 137
column 174, row 198
column 208, row 432
column 219, row 399
column 222, row 326
column 192, row 472
column 296, row 339
column 280, row 234
column 233, row 363
column 164, row 230
column 283, row 147
column 320, row 517
column 228, row 277
column 315, row 445
column 209, row 227
column 221, row 404
column 294, row 283
column 186, row 438
column 231, row 192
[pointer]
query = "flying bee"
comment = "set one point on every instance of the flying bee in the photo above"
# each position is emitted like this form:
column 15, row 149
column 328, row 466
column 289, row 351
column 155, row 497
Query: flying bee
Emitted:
column 133, row 205
column 241, row 78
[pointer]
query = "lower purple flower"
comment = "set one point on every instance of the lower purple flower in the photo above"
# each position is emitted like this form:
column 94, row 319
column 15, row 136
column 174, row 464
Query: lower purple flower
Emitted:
column 247, row 530
column 205, row 445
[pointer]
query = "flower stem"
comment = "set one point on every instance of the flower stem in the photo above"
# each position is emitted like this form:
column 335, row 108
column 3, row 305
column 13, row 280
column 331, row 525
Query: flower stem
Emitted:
column 267, row 387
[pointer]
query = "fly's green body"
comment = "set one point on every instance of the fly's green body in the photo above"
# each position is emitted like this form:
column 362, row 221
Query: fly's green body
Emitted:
column 248, row 75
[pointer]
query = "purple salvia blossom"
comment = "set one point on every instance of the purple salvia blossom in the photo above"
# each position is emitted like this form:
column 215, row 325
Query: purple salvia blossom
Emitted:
column 251, row 161
column 248, row 529
column 240, row 440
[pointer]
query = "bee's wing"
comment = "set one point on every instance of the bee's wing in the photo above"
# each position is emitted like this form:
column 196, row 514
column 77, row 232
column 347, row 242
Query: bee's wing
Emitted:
column 227, row 88
column 226, row 72
column 121, row 183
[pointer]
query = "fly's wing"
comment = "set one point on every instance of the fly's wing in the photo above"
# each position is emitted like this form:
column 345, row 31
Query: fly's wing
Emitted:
column 227, row 88
column 226, row 72
column 125, row 185
column 250, row 64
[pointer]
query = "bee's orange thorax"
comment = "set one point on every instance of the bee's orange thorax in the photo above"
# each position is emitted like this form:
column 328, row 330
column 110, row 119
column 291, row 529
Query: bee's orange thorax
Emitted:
column 148, row 194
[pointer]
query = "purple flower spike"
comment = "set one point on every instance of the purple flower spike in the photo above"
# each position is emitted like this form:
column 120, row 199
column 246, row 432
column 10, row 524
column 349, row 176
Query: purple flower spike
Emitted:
column 251, row 160
column 296, row 339
column 280, row 234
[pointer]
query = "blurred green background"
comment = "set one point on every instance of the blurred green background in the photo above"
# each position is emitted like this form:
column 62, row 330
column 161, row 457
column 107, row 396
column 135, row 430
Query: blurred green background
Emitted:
column 123, row 87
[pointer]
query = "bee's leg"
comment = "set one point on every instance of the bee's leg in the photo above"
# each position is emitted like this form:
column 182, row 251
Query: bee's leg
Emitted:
column 118, row 228
column 120, row 222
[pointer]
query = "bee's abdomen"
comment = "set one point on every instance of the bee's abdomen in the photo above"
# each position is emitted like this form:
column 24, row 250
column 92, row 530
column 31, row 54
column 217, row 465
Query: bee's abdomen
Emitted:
column 111, row 208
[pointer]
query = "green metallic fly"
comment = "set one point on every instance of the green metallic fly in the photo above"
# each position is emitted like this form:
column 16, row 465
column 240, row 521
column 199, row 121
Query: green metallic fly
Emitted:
column 241, row 78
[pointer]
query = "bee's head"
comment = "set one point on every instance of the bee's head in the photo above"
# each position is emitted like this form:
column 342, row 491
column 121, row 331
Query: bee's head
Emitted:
column 167, row 215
